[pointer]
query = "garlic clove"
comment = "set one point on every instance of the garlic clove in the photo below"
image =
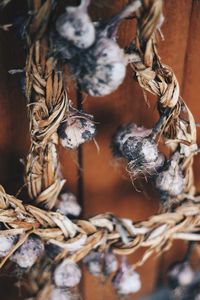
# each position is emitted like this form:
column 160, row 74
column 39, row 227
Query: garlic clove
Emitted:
column 26, row 255
column 6, row 244
column 126, row 281
column 76, row 131
column 67, row 274
column 61, row 294
column 171, row 180
column 110, row 263
column 76, row 26
column 93, row 261
column 67, row 204
column 180, row 274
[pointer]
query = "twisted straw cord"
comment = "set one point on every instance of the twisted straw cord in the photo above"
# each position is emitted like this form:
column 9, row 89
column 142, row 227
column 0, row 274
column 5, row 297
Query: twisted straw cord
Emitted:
column 106, row 230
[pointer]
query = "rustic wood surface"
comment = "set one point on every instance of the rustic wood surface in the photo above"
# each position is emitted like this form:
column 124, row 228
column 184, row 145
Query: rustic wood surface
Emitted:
column 106, row 185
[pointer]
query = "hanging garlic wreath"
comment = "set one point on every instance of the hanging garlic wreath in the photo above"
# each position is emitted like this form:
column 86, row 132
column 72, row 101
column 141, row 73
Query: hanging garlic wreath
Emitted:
column 44, row 241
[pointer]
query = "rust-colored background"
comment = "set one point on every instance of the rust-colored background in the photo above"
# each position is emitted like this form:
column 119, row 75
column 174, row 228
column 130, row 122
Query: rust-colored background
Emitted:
column 106, row 185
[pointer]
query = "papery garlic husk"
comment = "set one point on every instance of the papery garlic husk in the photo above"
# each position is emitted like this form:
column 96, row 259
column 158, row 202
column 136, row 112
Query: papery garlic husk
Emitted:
column 180, row 274
column 110, row 263
column 126, row 280
column 106, row 68
column 67, row 274
column 123, row 133
column 94, row 263
column 101, row 263
column 62, row 294
column 27, row 255
column 6, row 244
column 76, row 130
column 67, row 204
column 171, row 180
column 76, row 26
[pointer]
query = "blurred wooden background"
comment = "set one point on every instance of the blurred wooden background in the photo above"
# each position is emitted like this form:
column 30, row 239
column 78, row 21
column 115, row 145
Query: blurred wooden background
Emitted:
column 106, row 185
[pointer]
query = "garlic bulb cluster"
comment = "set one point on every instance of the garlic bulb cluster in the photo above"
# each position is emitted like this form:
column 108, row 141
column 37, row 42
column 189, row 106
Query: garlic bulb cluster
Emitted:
column 91, row 50
column 67, row 204
column 76, row 26
column 67, row 274
column 76, row 130
column 126, row 280
column 101, row 263
column 6, row 244
column 26, row 255
column 170, row 182
column 139, row 148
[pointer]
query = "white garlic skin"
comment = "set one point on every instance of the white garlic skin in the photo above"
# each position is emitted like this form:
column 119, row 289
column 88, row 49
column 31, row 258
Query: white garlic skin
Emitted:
column 171, row 180
column 110, row 263
column 127, row 281
column 76, row 26
column 67, row 274
column 26, row 255
column 6, row 244
column 60, row 294
column 109, row 69
column 67, row 204
column 76, row 131
column 182, row 273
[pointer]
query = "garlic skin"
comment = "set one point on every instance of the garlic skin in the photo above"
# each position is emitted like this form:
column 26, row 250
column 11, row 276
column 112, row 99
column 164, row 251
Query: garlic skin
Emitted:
column 101, row 263
column 107, row 70
column 123, row 133
column 61, row 294
column 67, row 274
column 171, row 180
column 6, row 244
column 26, row 255
column 136, row 145
column 67, row 204
column 76, row 26
column 126, row 280
column 181, row 274
column 76, row 131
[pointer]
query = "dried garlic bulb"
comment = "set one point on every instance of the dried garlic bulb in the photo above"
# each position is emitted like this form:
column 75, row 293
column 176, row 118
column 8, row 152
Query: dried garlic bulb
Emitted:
column 101, row 263
column 67, row 274
column 170, row 182
column 76, row 130
column 180, row 274
column 28, row 253
column 76, row 26
column 67, row 204
column 61, row 294
column 126, row 280
column 6, row 244
column 136, row 145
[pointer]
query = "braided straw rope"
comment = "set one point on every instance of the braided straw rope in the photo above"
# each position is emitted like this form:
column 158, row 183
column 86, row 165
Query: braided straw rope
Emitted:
column 79, row 237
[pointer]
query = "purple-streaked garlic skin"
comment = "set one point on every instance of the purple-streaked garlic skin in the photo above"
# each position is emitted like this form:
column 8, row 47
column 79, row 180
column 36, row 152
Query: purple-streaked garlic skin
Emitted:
column 181, row 274
column 6, row 244
column 76, row 131
column 61, row 294
column 126, row 280
column 27, row 255
column 76, row 26
column 67, row 204
column 171, row 180
column 67, row 274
